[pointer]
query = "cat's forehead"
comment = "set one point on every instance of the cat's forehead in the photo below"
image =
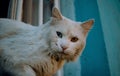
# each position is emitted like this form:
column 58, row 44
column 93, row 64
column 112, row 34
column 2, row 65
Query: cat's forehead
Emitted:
column 68, row 25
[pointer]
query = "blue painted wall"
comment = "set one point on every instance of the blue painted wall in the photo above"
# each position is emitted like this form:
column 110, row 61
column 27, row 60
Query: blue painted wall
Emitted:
column 110, row 19
column 94, row 58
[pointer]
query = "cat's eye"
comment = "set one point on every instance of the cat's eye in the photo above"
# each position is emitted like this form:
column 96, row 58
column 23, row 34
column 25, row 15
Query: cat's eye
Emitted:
column 59, row 34
column 74, row 39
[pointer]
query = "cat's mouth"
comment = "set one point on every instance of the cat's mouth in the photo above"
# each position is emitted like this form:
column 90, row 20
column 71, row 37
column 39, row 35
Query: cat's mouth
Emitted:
column 67, row 56
column 63, row 53
column 61, row 56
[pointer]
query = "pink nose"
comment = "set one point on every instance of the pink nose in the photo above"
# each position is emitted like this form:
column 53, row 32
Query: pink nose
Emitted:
column 64, row 48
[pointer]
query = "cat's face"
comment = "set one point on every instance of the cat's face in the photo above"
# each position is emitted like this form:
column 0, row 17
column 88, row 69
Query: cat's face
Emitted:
column 67, row 37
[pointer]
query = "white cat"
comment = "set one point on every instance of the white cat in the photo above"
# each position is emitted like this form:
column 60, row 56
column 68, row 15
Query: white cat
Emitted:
column 27, row 50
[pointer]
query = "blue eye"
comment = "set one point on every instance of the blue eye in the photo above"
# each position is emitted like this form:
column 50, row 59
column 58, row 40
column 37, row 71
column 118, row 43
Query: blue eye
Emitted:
column 59, row 34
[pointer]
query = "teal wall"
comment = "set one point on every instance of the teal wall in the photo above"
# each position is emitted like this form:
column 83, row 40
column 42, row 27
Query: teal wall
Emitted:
column 94, row 60
column 110, row 19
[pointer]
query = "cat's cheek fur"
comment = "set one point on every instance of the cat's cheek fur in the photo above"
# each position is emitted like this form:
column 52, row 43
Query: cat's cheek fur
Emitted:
column 58, row 43
column 55, row 47
column 76, row 50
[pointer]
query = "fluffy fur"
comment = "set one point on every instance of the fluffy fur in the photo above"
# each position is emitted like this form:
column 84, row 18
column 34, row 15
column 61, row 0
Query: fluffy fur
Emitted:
column 27, row 50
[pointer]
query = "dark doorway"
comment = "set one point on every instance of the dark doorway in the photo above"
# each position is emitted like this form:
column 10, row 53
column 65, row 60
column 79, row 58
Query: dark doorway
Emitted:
column 4, row 4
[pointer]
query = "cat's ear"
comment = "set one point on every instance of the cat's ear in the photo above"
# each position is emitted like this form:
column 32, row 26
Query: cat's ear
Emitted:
column 87, row 25
column 56, row 13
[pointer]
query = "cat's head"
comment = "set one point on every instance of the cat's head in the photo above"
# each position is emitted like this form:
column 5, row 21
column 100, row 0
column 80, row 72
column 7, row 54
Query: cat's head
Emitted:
column 67, row 37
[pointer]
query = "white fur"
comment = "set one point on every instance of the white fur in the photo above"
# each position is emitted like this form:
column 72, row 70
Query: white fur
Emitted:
column 26, row 50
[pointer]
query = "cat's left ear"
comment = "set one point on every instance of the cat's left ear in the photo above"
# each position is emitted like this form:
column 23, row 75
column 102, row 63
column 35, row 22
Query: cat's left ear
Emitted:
column 87, row 25
column 56, row 13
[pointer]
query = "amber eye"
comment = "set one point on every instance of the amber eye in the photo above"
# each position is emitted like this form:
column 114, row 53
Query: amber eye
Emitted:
column 74, row 39
column 59, row 34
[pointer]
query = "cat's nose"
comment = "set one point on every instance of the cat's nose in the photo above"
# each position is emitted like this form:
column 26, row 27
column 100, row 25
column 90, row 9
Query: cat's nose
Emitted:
column 64, row 48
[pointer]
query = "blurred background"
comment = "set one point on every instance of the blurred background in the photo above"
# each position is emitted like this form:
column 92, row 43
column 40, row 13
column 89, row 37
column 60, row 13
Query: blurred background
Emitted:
column 101, row 57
